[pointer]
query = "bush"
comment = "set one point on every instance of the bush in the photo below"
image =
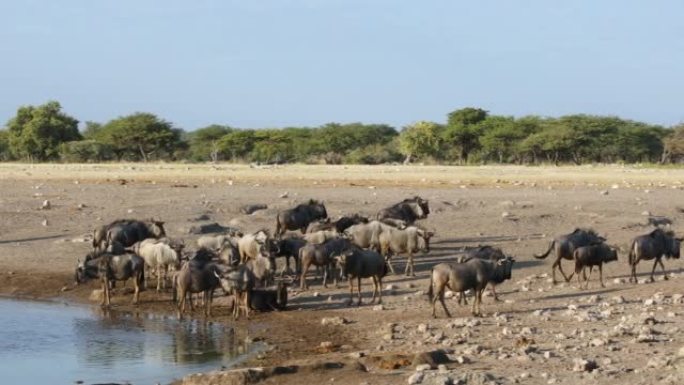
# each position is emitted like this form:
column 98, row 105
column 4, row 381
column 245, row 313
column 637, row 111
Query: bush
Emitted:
column 86, row 151
column 374, row 154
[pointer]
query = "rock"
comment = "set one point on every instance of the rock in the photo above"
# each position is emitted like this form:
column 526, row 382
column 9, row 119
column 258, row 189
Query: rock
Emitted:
column 423, row 367
column 252, row 208
column 326, row 345
column 677, row 298
column 390, row 287
column 422, row 328
column 357, row 355
column 615, row 186
column 378, row 307
column 316, row 294
column 618, row 299
column 46, row 205
column 604, row 192
column 619, row 281
column 44, row 222
column 130, row 211
column 448, row 294
column 646, row 213
column 505, row 214
column 81, row 206
column 582, row 365
column 334, row 321
column 284, row 195
column 416, row 378
column 388, row 337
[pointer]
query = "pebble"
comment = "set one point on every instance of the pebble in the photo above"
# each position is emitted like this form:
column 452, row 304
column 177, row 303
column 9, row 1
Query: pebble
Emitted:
column 334, row 321
column 583, row 365
column 46, row 205
column 378, row 307
column 416, row 378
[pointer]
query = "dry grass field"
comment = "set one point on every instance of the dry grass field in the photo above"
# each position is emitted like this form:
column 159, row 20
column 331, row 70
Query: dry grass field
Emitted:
column 632, row 332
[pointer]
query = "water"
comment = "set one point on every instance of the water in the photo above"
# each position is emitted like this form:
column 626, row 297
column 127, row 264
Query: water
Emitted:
column 45, row 343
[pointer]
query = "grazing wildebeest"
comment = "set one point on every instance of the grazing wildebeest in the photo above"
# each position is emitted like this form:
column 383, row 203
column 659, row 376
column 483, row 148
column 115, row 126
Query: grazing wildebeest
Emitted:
column 108, row 267
column 298, row 218
column 409, row 210
column 159, row 256
column 339, row 225
column 357, row 263
column 321, row 255
column 127, row 232
column 488, row 253
column 654, row 245
column 565, row 245
column 590, row 256
column 409, row 240
column 460, row 277
column 289, row 248
column 198, row 275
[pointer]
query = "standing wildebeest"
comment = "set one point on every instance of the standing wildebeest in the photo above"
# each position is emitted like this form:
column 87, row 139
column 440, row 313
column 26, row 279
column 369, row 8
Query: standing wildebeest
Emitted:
column 409, row 240
column 298, row 218
column 251, row 245
column 198, row 275
column 367, row 235
column 474, row 274
column 594, row 255
column 238, row 282
column 321, row 236
column 159, row 256
column 488, row 253
column 566, row 244
column 289, row 248
column 321, row 255
column 654, row 245
column 127, row 232
column 108, row 267
column 409, row 210
column 357, row 263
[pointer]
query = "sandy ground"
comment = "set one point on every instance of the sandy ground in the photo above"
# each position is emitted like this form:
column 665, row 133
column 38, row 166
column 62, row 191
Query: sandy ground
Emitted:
column 532, row 336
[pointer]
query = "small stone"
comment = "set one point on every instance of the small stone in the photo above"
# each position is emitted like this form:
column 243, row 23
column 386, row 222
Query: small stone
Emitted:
column 582, row 365
column 423, row 367
column 448, row 294
column 618, row 299
column 505, row 214
column 64, row 288
column 416, row 378
column 615, row 186
column 284, row 195
column 646, row 213
column 422, row 328
column 316, row 294
column 130, row 211
column 326, row 345
column 390, row 287
column 441, row 368
column 388, row 337
column 46, row 205
column 44, row 222
column 604, row 192
column 378, row 307
column 80, row 206
column 334, row 321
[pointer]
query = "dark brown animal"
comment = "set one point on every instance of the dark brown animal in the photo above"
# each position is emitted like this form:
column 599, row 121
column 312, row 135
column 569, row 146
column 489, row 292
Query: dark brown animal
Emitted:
column 565, row 245
column 654, row 245
column 590, row 256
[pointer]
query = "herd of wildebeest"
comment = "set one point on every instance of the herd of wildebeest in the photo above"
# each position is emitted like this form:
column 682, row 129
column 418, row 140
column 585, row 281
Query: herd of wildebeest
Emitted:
column 352, row 247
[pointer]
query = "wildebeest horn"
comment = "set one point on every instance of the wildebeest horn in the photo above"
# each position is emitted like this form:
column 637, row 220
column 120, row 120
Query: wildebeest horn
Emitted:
column 680, row 239
column 216, row 274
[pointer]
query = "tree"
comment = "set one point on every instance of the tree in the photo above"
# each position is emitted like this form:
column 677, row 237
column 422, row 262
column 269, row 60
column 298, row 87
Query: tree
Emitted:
column 204, row 142
column 237, row 144
column 463, row 132
column 92, row 130
column 674, row 145
column 420, row 139
column 35, row 133
column 4, row 146
column 142, row 134
column 500, row 137
column 88, row 150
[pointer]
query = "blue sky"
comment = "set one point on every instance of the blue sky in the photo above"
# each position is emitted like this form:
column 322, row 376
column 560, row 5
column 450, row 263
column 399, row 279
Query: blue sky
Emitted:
column 308, row 62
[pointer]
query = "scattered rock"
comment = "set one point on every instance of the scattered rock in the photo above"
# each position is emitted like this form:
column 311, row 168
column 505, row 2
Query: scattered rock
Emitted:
column 284, row 195
column 604, row 192
column 250, row 209
column 334, row 321
column 416, row 378
column 44, row 222
column 582, row 365
column 96, row 295
column 378, row 307
column 46, row 205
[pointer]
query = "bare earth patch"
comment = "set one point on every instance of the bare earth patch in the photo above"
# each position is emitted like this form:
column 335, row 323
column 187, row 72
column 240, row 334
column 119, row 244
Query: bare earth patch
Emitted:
column 538, row 334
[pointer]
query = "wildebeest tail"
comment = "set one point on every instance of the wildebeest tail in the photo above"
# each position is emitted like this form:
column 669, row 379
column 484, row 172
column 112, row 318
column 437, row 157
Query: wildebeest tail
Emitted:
column 174, row 288
column 632, row 255
column 430, row 293
column 141, row 278
column 278, row 225
column 542, row 256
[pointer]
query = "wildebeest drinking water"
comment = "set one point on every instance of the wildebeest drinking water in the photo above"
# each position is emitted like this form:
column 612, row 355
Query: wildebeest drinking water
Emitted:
column 654, row 245
column 565, row 245
column 127, row 232
column 299, row 217
column 108, row 267
column 198, row 275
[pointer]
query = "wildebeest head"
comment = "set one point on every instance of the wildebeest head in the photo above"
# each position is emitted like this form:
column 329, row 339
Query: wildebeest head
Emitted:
column 318, row 209
column 80, row 274
column 508, row 266
column 157, row 228
column 424, row 205
column 675, row 246
column 424, row 239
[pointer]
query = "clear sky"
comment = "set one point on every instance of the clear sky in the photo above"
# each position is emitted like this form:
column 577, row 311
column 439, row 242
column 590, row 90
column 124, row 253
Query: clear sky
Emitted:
column 267, row 63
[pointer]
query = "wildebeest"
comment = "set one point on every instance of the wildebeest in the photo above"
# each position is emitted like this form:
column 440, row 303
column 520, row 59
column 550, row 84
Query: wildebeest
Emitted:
column 251, row 245
column 565, row 245
column 474, row 274
column 409, row 210
column 215, row 242
column 299, row 217
column 590, row 256
column 127, row 232
column 321, row 255
column 319, row 237
column 367, row 235
column 263, row 268
column 269, row 298
column 159, row 256
column 289, row 248
column 654, row 245
column 357, row 263
column 198, row 275
column 238, row 282
column 488, row 253
column 339, row 225
column 108, row 267
column 409, row 240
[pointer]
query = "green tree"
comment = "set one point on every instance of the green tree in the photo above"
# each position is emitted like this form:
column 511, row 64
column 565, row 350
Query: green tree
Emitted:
column 88, row 150
column 204, row 142
column 237, row 144
column 140, row 135
column 35, row 133
column 420, row 139
column 92, row 130
column 5, row 153
column 463, row 132
column 500, row 137
column 674, row 145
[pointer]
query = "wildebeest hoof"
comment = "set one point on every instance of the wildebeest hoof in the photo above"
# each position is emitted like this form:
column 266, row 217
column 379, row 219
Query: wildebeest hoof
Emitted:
column 665, row 277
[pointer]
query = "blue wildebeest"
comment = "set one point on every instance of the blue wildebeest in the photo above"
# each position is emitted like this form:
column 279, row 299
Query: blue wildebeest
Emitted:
column 654, row 245
column 565, row 245
column 109, row 267
column 299, row 217
column 127, row 232
column 409, row 210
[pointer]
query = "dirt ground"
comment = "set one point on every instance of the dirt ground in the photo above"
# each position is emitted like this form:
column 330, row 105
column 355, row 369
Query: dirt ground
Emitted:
column 534, row 335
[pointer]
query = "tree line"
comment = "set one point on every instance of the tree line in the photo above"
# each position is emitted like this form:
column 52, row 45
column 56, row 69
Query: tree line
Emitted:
column 468, row 136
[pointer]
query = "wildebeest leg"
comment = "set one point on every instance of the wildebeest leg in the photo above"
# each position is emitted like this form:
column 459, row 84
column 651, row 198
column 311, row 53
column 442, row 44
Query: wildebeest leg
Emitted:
column 379, row 288
column 302, row 280
column 560, row 268
column 478, row 300
column 655, row 263
column 359, row 289
column 105, row 291
column 351, row 290
column 579, row 281
column 388, row 259
column 633, row 278
column 409, row 265
column 247, row 295
column 600, row 267
column 136, row 288
column 660, row 261
column 586, row 279
column 325, row 277
column 375, row 287
column 335, row 276
column 181, row 301
column 159, row 278
column 439, row 296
